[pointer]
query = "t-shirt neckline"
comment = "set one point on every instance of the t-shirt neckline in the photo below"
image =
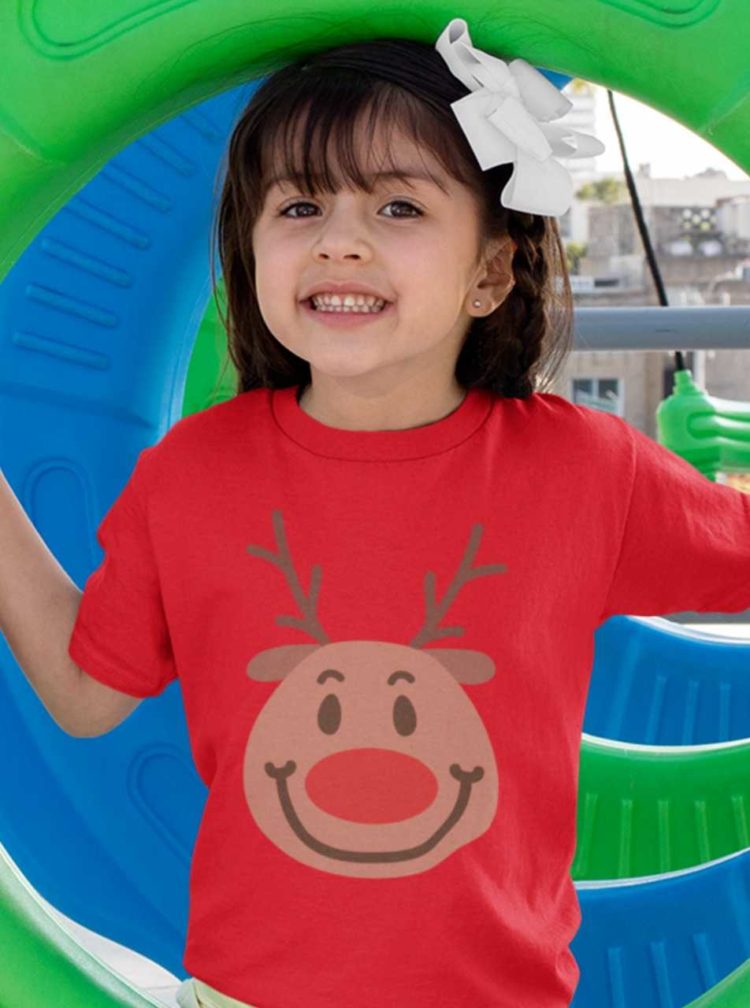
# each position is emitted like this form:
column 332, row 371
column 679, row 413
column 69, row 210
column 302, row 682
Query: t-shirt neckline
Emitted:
column 411, row 442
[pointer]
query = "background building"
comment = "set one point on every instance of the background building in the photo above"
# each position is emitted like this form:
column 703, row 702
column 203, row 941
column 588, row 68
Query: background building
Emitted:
column 700, row 231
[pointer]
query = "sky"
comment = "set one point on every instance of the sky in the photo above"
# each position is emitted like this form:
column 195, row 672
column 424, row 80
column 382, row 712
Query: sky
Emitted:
column 649, row 136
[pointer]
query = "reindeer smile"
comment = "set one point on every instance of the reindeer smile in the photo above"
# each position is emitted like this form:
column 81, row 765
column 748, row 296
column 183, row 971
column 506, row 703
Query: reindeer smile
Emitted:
column 465, row 779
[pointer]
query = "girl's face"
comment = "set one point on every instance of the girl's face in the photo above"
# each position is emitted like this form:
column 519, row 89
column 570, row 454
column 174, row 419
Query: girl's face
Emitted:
column 414, row 244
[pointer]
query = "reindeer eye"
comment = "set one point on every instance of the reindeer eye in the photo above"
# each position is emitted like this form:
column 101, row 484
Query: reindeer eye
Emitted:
column 404, row 716
column 329, row 714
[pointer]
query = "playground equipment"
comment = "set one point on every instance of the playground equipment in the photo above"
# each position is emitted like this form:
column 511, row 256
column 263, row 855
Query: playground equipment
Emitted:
column 107, row 313
column 711, row 433
column 655, row 682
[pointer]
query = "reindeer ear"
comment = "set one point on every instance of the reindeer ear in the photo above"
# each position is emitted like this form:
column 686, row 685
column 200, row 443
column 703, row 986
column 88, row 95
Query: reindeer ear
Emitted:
column 465, row 666
column 277, row 662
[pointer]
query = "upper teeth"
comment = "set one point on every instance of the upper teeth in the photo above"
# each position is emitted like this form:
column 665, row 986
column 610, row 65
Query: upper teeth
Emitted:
column 350, row 300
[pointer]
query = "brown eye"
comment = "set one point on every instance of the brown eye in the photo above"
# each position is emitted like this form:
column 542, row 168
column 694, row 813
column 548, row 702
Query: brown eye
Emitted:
column 293, row 206
column 402, row 203
column 404, row 716
column 329, row 714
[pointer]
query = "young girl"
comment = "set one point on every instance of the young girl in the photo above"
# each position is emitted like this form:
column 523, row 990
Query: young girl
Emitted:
column 378, row 569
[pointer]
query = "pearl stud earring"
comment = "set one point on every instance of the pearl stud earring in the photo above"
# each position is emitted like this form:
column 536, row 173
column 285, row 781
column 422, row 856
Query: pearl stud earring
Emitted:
column 477, row 304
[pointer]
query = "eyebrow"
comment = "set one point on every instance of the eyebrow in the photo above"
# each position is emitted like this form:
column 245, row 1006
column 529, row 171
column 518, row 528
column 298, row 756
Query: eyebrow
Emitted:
column 405, row 173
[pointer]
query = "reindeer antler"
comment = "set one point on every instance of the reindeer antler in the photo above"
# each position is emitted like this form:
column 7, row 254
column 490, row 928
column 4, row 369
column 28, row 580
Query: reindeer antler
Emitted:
column 430, row 629
column 307, row 604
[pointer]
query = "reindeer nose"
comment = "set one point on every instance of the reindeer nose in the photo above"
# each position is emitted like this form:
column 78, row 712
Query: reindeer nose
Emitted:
column 371, row 785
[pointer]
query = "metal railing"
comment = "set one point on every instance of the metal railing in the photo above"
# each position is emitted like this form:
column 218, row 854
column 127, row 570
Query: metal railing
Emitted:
column 702, row 327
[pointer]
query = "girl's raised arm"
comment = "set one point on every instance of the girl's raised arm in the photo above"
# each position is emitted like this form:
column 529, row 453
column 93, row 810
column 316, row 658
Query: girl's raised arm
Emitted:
column 38, row 608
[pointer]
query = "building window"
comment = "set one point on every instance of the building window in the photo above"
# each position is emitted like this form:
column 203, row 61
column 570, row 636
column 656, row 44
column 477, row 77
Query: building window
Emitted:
column 600, row 393
column 699, row 219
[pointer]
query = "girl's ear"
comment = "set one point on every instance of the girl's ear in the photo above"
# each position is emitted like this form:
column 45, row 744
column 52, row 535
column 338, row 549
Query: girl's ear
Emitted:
column 503, row 248
column 500, row 250
column 505, row 252
column 495, row 279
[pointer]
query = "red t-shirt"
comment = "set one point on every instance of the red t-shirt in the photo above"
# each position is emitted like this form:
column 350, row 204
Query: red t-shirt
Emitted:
column 412, row 610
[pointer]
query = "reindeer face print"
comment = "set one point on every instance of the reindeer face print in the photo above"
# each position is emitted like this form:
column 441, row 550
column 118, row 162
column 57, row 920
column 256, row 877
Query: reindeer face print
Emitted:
column 370, row 760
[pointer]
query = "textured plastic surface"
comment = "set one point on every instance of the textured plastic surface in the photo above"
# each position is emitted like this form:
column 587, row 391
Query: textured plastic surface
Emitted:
column 643, row 810
column 659, row 683
column 666, row 941
column 100, row 316
column 65, row 109
column 732, row 992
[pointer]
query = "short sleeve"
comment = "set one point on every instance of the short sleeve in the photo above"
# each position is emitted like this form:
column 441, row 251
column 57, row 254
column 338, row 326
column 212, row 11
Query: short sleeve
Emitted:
column 121, row 636
column 686, row 541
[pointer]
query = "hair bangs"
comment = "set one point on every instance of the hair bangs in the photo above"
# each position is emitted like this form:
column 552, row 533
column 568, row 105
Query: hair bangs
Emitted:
column 314, row 140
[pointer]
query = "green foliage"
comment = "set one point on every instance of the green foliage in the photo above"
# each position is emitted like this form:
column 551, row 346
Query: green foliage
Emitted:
column 574, row 252
column 605, row 190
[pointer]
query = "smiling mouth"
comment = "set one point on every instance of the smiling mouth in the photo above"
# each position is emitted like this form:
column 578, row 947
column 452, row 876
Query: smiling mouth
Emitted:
column 347, row 309
column 465, row 778
column 345, row 317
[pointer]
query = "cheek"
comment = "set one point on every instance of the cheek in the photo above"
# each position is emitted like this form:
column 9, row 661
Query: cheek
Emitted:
column 276, row 285
column 438, row 261
column 272, row 300
column 267, row 265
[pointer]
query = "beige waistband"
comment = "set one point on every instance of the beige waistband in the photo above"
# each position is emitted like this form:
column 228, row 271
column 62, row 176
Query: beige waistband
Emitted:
column 212, row 998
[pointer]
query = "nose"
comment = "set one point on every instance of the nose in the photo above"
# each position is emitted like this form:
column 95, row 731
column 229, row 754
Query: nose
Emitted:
column 332, row 247
column 342, row 237
column 371, row 785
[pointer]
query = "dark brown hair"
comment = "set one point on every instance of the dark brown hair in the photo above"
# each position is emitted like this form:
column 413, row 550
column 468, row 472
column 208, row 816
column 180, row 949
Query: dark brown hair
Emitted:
column 404, row 84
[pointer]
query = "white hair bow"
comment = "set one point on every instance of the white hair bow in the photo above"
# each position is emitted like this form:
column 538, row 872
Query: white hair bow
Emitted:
column 506, row 120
